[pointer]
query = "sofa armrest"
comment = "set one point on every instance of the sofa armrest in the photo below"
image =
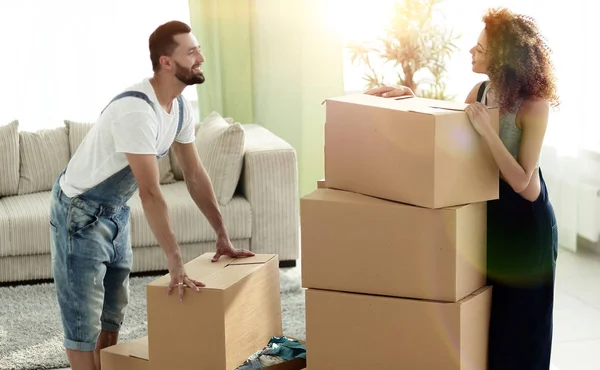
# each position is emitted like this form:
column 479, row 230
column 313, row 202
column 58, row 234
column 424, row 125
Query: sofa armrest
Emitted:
column 269, row 182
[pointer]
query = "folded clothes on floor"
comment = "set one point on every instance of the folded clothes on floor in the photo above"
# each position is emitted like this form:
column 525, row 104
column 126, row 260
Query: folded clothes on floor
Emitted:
column 278, row 350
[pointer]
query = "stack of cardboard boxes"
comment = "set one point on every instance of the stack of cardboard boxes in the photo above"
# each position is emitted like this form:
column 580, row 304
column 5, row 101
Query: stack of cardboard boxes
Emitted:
column 394, row 238
column 217, row 328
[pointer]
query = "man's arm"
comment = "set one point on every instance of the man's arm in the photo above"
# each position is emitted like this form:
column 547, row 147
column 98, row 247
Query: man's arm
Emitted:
column 199, row 185
column 201, row 190
column 145, row 170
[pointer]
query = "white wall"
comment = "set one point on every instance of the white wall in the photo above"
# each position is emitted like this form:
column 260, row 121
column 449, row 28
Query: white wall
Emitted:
column 65, row 59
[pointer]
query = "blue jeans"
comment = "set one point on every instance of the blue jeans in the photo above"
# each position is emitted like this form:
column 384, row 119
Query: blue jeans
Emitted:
column 91, row 252
column 91, row 263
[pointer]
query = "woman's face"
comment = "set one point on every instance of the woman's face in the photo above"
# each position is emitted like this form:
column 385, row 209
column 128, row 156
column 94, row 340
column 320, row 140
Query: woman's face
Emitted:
column 479, row 55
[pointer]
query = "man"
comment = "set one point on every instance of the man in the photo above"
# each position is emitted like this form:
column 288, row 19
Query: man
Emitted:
column 89, row 221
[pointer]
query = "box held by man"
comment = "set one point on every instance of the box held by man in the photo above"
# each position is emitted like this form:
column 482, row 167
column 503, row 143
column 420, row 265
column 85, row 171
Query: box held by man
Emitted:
column 220, row 326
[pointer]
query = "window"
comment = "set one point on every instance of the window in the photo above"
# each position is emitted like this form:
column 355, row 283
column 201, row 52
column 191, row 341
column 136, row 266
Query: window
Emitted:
column 65, row 59
column 568, row 29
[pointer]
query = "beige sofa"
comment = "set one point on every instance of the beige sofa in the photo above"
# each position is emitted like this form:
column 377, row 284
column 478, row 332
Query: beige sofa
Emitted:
column 254, row 174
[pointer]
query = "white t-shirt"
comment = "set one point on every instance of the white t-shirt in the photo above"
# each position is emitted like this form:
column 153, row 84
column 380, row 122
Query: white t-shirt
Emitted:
column 127, row 125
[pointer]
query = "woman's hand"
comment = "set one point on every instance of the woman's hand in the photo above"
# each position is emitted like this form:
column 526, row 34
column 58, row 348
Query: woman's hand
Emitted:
column 480, row 118
column 388, row 91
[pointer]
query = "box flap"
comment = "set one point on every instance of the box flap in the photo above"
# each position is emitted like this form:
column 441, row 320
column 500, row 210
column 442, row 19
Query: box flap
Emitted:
column 218, row 275
column 137, row 348
column 257, row 258
column 344, row 196
column 369, row 100
column 198, row 268
column 444, row 104
column 474, row 294
column 404, row 103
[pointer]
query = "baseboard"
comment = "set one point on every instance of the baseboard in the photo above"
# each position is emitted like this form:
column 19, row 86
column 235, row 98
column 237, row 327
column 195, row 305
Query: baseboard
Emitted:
column 287, row 264
column 588, row 245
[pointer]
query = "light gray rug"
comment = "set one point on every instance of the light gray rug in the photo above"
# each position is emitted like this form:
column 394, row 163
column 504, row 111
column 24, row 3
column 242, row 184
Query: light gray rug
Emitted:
column 31, row 332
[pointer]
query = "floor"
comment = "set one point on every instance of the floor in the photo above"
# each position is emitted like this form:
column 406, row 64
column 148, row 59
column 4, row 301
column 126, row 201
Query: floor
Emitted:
column 577, row 312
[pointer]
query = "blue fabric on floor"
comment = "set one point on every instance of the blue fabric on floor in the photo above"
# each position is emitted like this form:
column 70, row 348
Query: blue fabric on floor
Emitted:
column 283, row 347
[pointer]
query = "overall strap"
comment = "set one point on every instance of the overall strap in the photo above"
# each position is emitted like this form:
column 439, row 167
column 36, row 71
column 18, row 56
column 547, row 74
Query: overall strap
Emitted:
column 134, row 94
column 481, row 91
column 180, row 123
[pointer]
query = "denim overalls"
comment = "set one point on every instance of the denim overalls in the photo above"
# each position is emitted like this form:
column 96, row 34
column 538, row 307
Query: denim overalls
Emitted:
column 91, row 252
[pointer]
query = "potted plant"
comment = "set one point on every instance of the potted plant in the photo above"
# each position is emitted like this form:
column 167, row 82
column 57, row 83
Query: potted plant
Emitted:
column 415, row 45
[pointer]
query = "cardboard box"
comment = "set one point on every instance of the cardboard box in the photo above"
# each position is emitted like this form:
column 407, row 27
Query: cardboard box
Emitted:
column 358, row 243
column 131, row 355
column 321, row 184
column 418, row 151
column 359, row 331
column 294, row 364
column 218, row 328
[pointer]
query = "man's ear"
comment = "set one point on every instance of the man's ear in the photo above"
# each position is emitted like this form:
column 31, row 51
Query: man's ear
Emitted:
column 165, row 62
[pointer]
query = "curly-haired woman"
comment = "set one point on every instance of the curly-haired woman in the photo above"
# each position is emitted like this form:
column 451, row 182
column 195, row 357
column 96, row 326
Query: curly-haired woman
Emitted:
column 522, row 233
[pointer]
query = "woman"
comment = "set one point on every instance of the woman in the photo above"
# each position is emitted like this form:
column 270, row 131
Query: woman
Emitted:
column 522, row 234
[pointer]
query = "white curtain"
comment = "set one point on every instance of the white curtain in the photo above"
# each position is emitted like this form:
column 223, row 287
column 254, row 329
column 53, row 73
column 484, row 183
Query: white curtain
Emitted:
column 571, row 154
column 65, row 59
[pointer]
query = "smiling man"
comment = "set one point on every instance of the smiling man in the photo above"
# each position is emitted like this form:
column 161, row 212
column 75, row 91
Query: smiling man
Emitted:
column 89, row 218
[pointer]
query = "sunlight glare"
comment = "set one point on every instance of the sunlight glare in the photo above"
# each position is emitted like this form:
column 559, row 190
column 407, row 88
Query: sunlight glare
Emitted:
column 359, row 20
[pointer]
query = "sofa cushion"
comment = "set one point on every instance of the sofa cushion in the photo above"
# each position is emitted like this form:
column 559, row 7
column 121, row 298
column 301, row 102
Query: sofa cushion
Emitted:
column 221, row 149
column 27, row 218
column 78, row 130
column 44, row 154
column 4, row 231
column 164, row 170
column 9, row 159
column 175, row 165
column 24, row 221
column 189, row 224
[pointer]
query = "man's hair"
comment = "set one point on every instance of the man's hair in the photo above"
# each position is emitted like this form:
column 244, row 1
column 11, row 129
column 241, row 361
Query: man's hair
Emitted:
column 161, row 41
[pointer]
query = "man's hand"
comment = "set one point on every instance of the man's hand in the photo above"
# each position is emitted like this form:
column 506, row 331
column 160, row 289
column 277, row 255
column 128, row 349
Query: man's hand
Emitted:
column 225, row 248
column 180, row 279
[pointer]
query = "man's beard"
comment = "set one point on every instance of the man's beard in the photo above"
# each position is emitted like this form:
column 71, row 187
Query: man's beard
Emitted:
column 188, row 76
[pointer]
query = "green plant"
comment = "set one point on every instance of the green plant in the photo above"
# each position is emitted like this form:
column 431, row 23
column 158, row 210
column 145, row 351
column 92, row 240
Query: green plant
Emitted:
column 414, row 42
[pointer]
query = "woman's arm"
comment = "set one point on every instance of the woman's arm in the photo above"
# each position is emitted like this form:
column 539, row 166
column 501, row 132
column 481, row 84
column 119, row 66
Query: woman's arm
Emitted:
column 533, row 120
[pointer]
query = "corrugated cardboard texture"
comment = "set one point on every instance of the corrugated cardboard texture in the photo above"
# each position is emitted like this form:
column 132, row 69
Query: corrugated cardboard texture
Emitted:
column 358, row 331
column 235, row 315
column 126, row 356
column 408, row 151
column 358, row 243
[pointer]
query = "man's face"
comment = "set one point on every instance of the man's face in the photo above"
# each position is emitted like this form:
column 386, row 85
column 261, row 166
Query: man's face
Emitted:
column 188, row 60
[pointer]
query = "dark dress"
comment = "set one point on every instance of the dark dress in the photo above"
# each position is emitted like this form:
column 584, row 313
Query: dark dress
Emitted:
column 522, row 250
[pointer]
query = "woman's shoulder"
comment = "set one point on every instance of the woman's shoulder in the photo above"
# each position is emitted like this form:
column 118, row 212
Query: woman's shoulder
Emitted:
column 532, row 109
column 534, row 105
column 473, row 94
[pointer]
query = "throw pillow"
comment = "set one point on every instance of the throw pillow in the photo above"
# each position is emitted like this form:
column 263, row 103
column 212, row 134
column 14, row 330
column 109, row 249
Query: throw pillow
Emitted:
column 175, row 164
column 221, row 148
column 44, row 154
column 9, row 159
column 77, row 132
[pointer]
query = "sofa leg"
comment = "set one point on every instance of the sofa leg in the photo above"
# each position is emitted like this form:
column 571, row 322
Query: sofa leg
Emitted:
column 288, row 263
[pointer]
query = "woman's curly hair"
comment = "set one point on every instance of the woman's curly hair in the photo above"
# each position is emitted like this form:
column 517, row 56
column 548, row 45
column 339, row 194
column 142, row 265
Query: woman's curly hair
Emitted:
column 520, row 63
